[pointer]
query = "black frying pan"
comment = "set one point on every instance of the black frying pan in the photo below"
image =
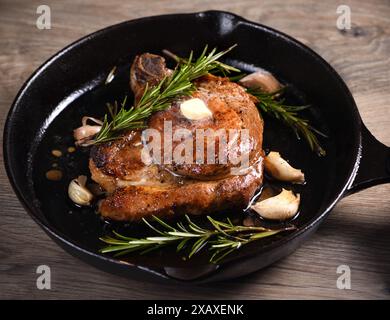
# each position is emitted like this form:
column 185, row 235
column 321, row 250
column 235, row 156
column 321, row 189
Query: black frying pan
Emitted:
column 69, row 85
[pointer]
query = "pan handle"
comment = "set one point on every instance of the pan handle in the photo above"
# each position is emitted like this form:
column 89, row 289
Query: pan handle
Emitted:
column 374, row 166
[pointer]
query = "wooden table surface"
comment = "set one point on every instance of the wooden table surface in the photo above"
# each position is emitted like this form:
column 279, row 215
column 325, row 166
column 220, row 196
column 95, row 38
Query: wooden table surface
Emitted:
column 356, row 234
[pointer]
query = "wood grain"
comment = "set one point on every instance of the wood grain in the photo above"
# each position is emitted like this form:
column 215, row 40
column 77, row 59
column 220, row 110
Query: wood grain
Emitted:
column 357, row 233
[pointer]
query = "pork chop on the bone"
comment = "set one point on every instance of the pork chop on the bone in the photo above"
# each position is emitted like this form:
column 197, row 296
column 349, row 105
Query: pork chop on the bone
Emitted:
column 139, row 190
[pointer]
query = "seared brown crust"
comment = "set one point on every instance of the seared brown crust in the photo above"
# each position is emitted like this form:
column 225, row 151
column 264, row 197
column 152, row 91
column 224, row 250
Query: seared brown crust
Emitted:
column 137, row 190
column 133, row 203
column 121, row 157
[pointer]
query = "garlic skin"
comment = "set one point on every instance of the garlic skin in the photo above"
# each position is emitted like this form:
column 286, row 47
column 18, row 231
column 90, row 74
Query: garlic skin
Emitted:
column 281, row 170
column 195, row 109
column 281, row 207
column 261, row 79
column 78, row 192
column 83, row 134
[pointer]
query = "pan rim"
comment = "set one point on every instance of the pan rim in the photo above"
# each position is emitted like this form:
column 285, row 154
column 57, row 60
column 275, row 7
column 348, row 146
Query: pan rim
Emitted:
column 33, row 211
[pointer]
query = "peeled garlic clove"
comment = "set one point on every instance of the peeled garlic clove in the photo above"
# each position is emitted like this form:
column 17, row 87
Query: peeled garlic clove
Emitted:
column 281, row 170
column 195, row 109
column 261, row 79
column 78, row 192
column 281, row 207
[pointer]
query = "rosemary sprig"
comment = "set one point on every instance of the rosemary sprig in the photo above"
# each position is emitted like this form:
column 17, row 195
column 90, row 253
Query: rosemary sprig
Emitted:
column 272, row 104
column 221, row 240
column 159, row 97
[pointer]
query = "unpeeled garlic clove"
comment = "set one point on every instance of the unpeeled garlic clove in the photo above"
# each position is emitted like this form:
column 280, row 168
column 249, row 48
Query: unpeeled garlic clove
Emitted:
column 281, row 207
column 83, row 134
column 195, row 109
column 261, row 79
column 281, row 170
column 78, row 192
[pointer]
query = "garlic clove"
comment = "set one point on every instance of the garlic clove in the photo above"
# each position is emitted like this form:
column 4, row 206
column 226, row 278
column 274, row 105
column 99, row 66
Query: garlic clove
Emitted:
column 281, row 207
column 261, row 79
column 83, row 134
column 78, row 192
column 281, row 170
column 195, row 109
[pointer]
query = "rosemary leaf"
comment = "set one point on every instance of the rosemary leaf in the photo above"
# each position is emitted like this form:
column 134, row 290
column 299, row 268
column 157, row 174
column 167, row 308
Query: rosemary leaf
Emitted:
column 182, row 244
column 197, row 246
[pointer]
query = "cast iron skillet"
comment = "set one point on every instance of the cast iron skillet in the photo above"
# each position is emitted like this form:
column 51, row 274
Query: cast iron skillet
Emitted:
column 70, row 84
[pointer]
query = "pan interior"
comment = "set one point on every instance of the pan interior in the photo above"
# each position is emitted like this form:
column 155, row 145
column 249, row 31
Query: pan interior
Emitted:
column 71, row 85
